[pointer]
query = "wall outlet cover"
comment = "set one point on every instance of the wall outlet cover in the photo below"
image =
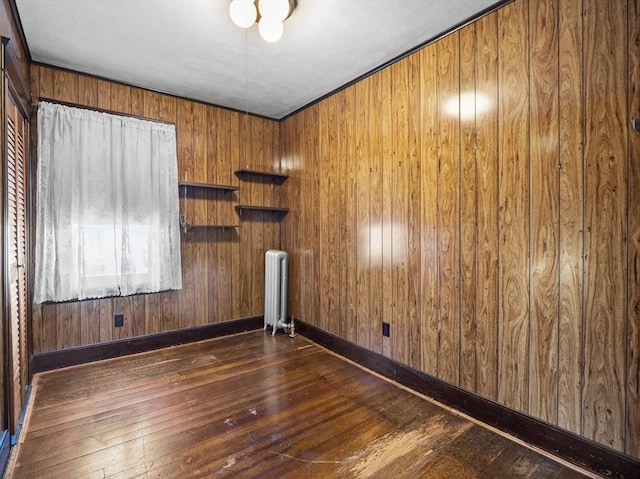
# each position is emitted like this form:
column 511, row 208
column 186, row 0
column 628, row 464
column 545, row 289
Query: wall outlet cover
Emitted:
column 385, row 329
column 118, row 320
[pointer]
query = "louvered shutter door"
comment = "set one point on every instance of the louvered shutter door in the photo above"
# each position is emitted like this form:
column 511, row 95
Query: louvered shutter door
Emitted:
column 16, row 132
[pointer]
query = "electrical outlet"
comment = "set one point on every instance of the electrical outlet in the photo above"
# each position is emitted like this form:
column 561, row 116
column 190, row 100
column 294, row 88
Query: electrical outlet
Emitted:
column 636, row 124
column 385, row 329
column 118, row 320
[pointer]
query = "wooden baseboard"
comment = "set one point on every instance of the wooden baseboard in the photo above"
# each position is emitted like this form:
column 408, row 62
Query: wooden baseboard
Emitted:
column 113, row 349
column 563, row 444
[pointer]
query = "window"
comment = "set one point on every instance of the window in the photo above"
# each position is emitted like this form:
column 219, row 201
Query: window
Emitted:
column 107, row 205
column 96, row 239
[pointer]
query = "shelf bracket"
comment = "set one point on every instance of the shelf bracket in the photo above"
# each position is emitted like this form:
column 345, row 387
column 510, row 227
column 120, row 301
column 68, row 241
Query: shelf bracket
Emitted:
column 183, row 223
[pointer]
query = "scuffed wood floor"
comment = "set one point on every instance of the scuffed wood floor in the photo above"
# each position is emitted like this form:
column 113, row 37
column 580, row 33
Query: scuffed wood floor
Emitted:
column 251, row 406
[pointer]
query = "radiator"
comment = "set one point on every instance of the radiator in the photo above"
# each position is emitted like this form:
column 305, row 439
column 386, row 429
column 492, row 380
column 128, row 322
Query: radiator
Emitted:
column 275, row 291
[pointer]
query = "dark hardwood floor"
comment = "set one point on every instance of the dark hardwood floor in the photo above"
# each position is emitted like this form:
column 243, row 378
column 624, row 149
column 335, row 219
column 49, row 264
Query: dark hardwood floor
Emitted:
column 251, row 406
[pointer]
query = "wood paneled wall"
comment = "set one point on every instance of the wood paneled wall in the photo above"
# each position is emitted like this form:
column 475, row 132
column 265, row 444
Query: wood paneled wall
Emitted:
column 9, row 29
column 222, row 269
column 483, row 197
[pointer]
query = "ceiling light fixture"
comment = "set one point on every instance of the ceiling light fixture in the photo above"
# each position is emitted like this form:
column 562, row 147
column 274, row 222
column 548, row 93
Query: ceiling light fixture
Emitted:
column 270, row 15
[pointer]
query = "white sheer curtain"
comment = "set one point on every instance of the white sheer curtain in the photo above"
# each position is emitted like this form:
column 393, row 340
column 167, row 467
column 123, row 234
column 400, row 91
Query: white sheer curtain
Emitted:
column 107, row 205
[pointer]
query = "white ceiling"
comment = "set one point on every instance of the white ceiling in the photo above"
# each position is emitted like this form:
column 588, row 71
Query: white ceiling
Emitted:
column 190, row 48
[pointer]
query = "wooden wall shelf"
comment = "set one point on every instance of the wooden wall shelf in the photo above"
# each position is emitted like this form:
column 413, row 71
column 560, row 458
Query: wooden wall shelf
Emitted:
column 275, row 177
column 189, row 184
column 209, row 185
column 187, row 226
column 274, row 209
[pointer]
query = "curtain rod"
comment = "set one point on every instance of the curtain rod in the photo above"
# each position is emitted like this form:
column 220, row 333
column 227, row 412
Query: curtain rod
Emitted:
column 104, row 110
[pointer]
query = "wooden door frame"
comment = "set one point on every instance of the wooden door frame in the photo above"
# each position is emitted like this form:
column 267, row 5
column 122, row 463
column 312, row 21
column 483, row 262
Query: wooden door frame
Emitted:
column 14, row 86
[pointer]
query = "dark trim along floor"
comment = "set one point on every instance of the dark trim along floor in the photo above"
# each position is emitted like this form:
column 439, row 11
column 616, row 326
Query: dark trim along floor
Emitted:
column 113, row 349
column 563, row 444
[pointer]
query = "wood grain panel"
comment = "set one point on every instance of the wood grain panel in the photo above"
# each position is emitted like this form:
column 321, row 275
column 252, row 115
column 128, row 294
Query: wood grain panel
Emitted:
column 228, row 247
column 137, row 101
column 258, row 221
column 448, row 68
column 216, row 154
column 139, row 311
column 199, row 162
column 331, row 162
column 513, row 361
column 88, row 91
column 292, row 237
column 120, row 98
column 255, row 218
column 605, row 223
column 312, row 256
column 570, row 332
column 328, row 233
column 363, row 215
column 201, row 236
column 184, row 137
column 34, row 74
column 632, row 443
column 134, row 316
column 90, row 313
column 272, row 236
column 189, row 200
column 399, row 208
column 349, row 236
column 374, row 108
column 468, row 205
column 341, row 169
column 429, row 209
column 414, row 293
column 65, row 86
column 232, row 255
column 291, row 195
column 301, row 136
column 544, row 219
column 104, row 94
column 49, row 331
column 67, row 320
column 239, row 155
column 122, row 306
column 45, row 82
column 216, row 209
column 151, row 104
column 386, row 223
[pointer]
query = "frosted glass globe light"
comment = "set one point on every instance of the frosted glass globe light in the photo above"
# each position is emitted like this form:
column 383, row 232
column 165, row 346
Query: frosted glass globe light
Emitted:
column 243, row 13
column 274, row 9
column 270, row 30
